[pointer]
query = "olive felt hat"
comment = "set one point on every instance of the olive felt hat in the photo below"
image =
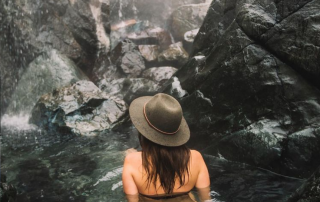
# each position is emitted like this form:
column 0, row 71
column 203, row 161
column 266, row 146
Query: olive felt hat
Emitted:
column 159, row 118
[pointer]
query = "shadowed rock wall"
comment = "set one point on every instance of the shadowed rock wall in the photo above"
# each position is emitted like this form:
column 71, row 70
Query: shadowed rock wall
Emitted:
column 253, row 84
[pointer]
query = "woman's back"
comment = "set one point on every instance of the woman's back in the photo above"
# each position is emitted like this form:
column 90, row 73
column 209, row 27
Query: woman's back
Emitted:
column 198, row 175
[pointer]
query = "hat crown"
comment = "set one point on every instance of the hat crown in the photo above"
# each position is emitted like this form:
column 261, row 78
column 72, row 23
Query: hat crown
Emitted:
column 164, row 112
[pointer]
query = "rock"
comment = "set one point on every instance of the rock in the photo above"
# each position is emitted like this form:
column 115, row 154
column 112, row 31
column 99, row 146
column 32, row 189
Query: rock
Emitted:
column 190, row 35
column 155, row 35
column 128, row 59
column 47, row 72
column 173, row 88
column 309, row 191
column 129, row 89
column 122, row 29
column 81, row 22
column 72, row 28
column 302, row 50
column 220, row 14
column 186, row 18
column 263, row 112
column 175, row 54
column 302, row 149
column 30, row 28
column 188, row 39
column 105, row 16
column 149, row 52
column 104, row 68
column 79, row 109
column 159, row 74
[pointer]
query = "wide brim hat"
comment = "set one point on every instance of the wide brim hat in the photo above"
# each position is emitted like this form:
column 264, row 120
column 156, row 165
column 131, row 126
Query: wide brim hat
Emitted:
column 159, row 118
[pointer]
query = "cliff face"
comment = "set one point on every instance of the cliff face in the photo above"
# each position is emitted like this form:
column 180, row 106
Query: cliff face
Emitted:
column 253, row 84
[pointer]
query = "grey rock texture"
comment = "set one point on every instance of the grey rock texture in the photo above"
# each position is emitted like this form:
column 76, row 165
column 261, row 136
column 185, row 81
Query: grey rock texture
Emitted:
column 46, row 73
column 32, row 27
column 127, row 58
column 187, row 18
column 188, row 39
column 149, row 52
column 129, row 88
column 79, row 109
column 175, row 55
column 309, row 191
column 250, row 99
column 159, row 74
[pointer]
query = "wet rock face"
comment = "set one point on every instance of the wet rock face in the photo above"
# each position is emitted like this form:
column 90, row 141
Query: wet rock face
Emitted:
column 129, row 89
column 187, row 18
column 159, row 74
column 175, row 54
column 47, row 72
column 80, row 109
column 128, row 59
column 149, row 52
column 300, row 50
column 31, row 28
column 309, row 191
column 254, row 106
column 27, row 26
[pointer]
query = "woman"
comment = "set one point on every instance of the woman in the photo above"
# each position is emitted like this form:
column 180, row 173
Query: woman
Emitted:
column 165, row 169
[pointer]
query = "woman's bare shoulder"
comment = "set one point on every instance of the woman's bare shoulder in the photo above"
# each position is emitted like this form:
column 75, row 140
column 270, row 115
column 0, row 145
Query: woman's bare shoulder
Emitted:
column 195, row 153
column 196, row 156
column 133, row 157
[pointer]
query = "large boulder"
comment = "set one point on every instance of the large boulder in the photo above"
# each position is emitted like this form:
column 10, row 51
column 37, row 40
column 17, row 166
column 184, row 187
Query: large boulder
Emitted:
column 187, row 18
column 46, row 73
column 79, row 109
column 127, row 58
column 128, row 89
column 301, row 50
column 31, row 28
column 246, row 101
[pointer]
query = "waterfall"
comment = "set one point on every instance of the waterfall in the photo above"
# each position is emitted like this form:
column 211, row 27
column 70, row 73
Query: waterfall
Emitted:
column 95, row 6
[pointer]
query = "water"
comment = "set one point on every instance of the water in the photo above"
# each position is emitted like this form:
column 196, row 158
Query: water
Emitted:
column 89, row 169
column 81, row 169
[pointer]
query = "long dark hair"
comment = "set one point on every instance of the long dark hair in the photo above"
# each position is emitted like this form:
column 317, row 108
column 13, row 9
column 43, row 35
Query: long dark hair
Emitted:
column 164, row 163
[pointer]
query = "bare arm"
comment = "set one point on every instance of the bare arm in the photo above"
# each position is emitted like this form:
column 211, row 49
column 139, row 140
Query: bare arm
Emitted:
column 129, row 186
column 203, row 181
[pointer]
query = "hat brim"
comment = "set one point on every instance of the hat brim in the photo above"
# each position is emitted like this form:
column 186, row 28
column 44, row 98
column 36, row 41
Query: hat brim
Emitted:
column 139, row 121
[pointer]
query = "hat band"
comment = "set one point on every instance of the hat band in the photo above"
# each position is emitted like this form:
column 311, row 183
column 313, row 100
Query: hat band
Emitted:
column 145, row 116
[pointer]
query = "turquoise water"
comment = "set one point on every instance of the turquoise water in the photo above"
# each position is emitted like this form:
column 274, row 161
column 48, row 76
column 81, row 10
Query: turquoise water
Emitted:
column 89, row 169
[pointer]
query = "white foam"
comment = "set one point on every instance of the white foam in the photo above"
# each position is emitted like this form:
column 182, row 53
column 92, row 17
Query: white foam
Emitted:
column 117, row 185
column 100, row 31
column 18, row 122
column 110, row 175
